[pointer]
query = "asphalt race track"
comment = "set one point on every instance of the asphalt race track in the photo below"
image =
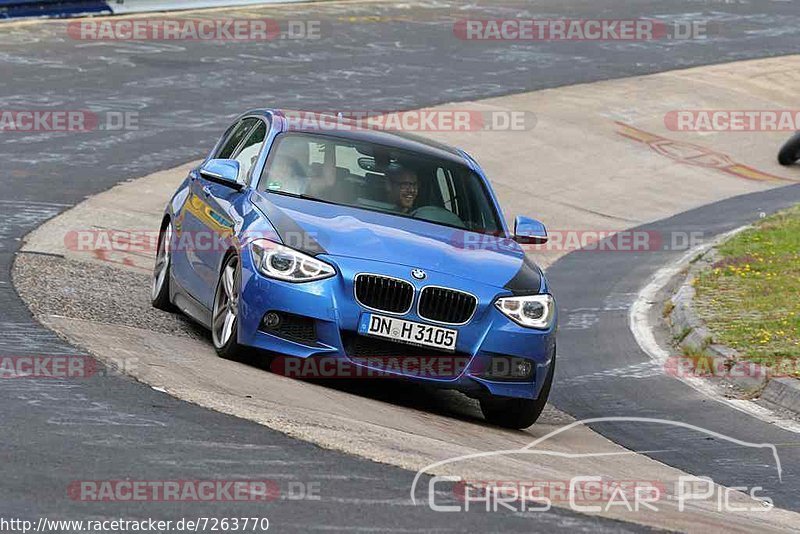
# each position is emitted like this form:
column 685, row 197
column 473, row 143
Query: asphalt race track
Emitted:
column 604, row 373
column 371, row 56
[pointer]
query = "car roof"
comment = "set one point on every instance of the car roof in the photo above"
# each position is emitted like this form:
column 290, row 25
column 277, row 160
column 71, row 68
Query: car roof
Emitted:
column 391, row 138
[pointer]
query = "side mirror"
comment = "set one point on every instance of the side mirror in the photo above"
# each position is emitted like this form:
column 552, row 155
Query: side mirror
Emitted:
column 529, row 231
column 222, row 171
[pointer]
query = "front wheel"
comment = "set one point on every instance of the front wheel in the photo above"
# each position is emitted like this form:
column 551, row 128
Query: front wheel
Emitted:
column 224, row 318
column 517, row 413
column 159, row 292
column 790, row 151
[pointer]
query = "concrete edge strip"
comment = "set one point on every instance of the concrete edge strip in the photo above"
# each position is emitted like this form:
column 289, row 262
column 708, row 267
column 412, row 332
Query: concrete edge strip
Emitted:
column 642, row 328
column 785, row 392
column 692, row 332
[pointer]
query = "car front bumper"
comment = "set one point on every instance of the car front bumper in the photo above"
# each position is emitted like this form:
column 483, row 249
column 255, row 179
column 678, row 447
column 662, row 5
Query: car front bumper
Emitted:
column 330, row 306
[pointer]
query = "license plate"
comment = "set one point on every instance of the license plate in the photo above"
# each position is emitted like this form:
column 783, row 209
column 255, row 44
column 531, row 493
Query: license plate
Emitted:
column 409, row 332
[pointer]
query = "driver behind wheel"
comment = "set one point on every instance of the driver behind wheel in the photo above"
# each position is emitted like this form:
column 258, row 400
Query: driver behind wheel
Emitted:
column 403, row 188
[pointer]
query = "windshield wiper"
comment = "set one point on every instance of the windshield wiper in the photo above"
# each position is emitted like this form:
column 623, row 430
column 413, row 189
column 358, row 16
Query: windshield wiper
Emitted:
column 304, row 197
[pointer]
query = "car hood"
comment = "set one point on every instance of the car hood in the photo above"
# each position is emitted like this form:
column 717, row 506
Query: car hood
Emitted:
column 336, row 230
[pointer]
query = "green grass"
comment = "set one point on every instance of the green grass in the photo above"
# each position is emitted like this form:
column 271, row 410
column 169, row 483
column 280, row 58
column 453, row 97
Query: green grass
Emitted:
column 683, row 334
column 750, row 298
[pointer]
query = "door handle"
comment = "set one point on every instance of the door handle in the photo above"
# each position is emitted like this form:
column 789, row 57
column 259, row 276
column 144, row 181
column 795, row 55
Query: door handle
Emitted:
column 206, row 191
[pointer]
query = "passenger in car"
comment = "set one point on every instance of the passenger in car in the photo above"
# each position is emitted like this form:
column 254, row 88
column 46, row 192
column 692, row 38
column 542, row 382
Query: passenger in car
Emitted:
column 403, row 188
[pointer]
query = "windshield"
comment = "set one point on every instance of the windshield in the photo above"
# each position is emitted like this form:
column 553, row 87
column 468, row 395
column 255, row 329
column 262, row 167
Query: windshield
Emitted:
column 379, row 178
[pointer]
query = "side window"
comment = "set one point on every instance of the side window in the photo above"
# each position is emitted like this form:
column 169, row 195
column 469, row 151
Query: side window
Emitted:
column 236, row 137
column 445, row 182
column 480, row 213
column 248, row 154
column 224, row 138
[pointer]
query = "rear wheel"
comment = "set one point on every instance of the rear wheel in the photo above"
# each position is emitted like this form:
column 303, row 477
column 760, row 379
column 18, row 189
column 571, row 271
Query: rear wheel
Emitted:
column 517, row 413
column 790, row 152
column 159, row 292
column 224, row 318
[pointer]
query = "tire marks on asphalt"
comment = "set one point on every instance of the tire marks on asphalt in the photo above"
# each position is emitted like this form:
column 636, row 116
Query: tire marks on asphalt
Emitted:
column 696, row 155
column 25, row 338
column 18, row 217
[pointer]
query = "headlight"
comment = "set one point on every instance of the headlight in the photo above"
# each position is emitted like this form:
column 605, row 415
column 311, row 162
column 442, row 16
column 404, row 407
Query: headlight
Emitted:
column 532, row 311
column 277, row 261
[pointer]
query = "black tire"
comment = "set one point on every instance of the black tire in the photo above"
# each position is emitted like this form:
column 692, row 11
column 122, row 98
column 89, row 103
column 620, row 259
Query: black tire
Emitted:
column 517, row 413
column 159, row 292
column 225, row 339
column 790, row 151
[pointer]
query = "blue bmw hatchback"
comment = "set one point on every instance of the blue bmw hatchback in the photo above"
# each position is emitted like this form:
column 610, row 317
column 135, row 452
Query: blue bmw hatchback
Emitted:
column 382, row 251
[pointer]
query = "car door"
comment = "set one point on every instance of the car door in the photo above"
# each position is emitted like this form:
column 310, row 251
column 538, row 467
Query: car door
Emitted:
column 203, row 218
column 222, row 205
